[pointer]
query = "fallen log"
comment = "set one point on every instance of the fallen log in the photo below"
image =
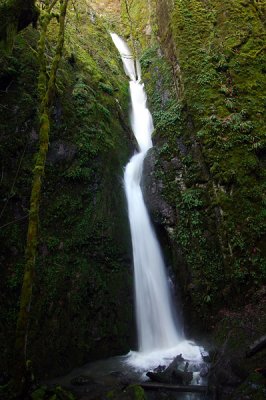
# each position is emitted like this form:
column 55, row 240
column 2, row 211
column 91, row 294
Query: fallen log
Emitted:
column 177, row 388
column 256, row 346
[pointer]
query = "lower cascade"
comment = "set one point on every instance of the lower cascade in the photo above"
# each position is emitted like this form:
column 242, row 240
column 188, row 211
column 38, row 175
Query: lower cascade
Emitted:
column 159, row 334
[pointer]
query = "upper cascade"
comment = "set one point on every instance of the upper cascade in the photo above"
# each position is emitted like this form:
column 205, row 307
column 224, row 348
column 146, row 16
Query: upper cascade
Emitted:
column 131, row 67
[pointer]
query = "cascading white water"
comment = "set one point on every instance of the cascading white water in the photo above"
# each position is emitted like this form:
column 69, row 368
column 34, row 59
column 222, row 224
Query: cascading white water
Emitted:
column 157, row 330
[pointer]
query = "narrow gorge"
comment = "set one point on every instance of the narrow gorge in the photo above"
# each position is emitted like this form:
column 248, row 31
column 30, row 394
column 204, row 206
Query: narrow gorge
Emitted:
column 174, row 102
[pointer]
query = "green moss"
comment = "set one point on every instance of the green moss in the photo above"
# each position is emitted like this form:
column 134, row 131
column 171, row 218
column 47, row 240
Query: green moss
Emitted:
column 210, row 137
column 132, row 392
column 39, row 394
column 83, row 272
column 139, row 393
column 136, row 23
column 58, row 393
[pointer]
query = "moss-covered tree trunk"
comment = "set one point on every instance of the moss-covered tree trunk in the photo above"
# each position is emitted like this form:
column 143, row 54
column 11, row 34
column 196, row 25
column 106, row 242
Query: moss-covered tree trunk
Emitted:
column 15, row 15
column 46, row 90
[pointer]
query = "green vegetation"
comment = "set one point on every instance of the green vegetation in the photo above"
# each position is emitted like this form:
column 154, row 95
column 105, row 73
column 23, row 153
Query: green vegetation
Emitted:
column 132, row 392
column 46, row 91
column 83, row 279
column 216, row 131
column 203, row 65
column 58, row 393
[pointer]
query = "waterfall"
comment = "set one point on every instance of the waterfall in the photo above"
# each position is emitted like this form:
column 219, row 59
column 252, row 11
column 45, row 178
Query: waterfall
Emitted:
column 156, row 326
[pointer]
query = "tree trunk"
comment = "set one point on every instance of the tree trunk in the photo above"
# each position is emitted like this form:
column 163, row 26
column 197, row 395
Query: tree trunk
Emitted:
column 257, row 346
column 46, row 90
column 175, row 388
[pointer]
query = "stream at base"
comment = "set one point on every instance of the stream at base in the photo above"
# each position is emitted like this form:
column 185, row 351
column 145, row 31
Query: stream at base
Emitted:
column 99, row 377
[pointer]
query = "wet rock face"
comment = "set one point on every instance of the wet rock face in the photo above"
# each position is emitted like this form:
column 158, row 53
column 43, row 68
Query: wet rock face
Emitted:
column 201, row 106
column 61, row 152
column 152, row 188
column 82, row 307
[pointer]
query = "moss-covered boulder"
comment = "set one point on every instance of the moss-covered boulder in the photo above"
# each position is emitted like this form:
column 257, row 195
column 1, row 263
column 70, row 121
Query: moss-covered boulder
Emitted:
column 132, row 392
column 57, row 393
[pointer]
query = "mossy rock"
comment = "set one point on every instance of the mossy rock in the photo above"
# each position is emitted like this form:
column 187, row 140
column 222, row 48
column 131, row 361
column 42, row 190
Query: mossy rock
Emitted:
column 58, row 393
column 132, row 392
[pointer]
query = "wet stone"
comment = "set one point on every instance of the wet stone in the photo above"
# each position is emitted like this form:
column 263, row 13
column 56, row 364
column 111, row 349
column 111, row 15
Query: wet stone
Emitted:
column 204, row 370
column 205, row 356
column 82, row 380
